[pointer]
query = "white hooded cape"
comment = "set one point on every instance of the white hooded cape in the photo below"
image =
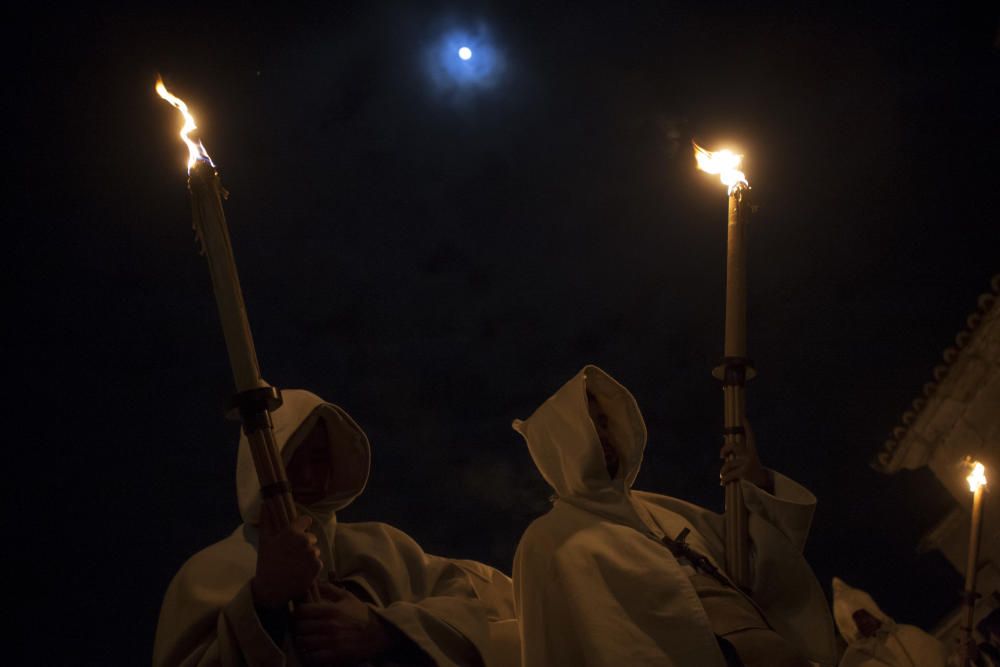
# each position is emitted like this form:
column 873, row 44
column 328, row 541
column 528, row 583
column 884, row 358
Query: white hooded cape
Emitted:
column 457, row 612
column 893, row 645
column 594, row 585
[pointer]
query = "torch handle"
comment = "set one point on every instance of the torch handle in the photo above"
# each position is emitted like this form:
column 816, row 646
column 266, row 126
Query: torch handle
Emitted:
column 275, row 490
column 255, row 412
column 270, row 466
column 736, row 518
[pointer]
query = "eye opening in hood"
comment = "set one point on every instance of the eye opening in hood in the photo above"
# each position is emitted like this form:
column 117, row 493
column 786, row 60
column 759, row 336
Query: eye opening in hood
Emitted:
column 602, row 425
column 626, row 429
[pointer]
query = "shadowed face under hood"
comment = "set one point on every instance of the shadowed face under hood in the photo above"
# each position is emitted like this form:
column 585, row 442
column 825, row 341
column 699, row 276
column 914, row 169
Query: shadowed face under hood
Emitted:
column 565, row 445
column 350, row 452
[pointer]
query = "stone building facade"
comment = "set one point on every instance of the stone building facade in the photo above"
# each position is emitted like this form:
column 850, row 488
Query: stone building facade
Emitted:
column 957, row 415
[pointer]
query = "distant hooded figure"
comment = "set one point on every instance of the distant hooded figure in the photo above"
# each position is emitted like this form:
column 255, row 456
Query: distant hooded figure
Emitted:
column 874, row 640
column 611, row 576
column 386, row 602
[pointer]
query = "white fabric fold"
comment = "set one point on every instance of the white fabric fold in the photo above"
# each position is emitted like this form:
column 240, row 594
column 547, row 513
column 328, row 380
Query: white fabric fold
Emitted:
column 790, row 509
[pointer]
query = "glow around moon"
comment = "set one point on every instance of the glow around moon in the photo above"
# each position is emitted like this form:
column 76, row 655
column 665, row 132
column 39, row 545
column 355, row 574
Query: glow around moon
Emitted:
column 463, row 60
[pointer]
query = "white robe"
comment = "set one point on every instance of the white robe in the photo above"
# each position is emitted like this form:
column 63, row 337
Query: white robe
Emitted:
column 593, row 584
column 892, row 646
column 457, row 612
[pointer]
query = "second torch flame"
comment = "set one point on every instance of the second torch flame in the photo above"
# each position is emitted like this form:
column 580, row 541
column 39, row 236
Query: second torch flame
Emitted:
column 196, row 150
column 977, row 477
column 725, row 163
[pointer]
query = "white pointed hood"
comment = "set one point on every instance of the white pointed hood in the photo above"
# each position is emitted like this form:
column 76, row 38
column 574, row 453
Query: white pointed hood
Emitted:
column 846, row 601
column 593, row 588
column 209, row 616
column 564, row 444
column 298, row 414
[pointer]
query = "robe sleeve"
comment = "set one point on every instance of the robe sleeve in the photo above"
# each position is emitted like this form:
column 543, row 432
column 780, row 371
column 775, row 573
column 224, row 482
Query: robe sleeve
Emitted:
column 496, row 591
column 783, row 584
column 202, row 623
column 429, row 599
column 789, row 509
column 449, row 630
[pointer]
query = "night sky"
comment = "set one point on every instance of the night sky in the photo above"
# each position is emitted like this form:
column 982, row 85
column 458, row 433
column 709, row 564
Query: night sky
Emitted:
column 438, row 255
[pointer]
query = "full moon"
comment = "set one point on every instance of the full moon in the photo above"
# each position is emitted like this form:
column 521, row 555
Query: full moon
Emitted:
column 465, row 53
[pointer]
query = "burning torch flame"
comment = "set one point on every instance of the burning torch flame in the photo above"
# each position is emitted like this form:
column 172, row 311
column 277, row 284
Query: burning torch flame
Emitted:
column 977, row 477
column 196, row 151
column 725, row 163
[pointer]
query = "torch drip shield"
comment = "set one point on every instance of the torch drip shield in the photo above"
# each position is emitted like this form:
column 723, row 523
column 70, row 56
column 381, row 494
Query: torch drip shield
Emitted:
column 254, row 407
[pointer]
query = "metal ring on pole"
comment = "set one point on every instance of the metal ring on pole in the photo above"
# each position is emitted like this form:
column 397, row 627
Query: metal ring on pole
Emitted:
column 253, row 407
column 731, row 369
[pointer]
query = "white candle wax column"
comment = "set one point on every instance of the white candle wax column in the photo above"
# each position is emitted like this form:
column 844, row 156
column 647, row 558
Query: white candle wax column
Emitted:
column 736, row 277
column 977, row 484
column 734, row 375
column 735, row 369
column 974, row 532
column 210, row 225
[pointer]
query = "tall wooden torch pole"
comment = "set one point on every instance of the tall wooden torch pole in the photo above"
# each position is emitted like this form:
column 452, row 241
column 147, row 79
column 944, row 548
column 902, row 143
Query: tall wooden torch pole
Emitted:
column 255, row 398
column 736, row 368
column 735, row 371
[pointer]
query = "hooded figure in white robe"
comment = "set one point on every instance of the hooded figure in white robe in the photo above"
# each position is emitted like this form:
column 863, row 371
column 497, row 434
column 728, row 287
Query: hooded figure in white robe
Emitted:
column 595, row 583
column 439, row 611
column 875, row 640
